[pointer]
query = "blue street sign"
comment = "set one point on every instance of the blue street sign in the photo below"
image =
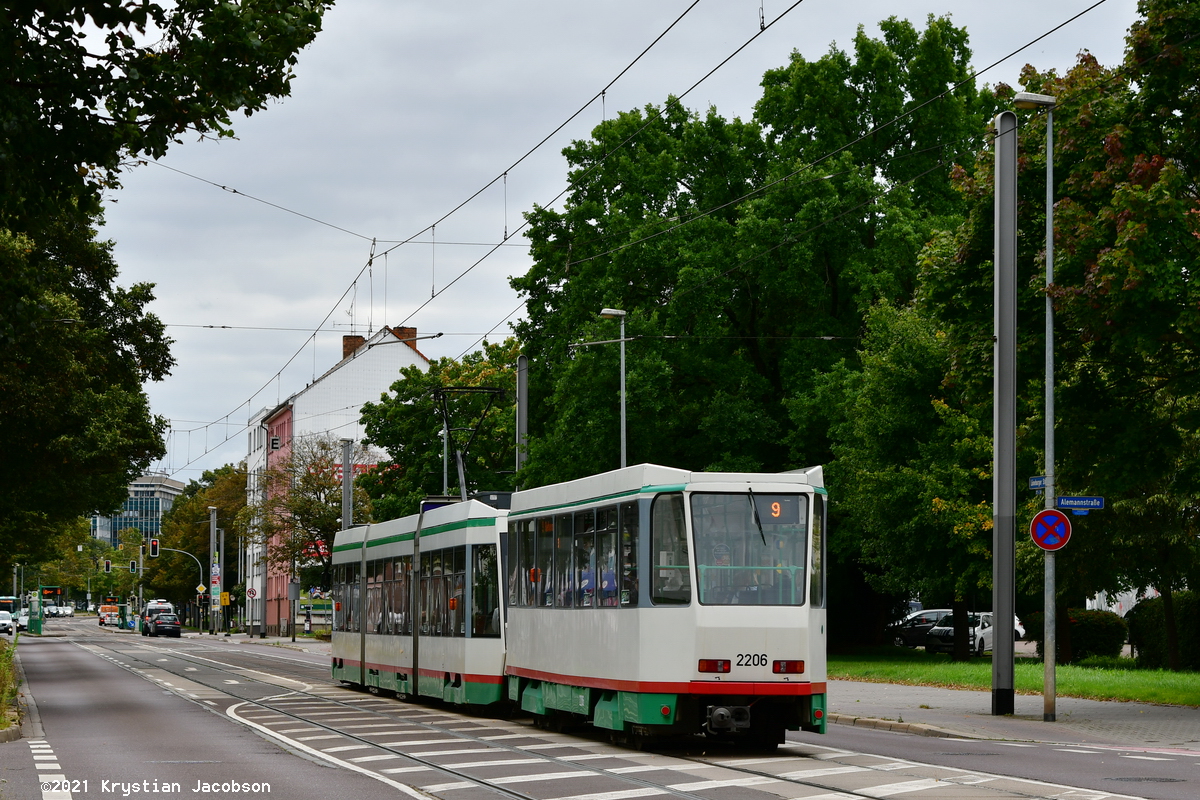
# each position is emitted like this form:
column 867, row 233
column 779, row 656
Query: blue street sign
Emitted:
column 1080, row 505
column 1037, row 482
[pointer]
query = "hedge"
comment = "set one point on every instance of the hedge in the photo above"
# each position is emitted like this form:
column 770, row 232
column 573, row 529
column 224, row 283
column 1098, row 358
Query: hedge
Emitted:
column 1093, row 633
column 1148, row 631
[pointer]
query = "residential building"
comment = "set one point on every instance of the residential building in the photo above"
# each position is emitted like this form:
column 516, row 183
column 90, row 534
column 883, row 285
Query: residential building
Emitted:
column 329, row 405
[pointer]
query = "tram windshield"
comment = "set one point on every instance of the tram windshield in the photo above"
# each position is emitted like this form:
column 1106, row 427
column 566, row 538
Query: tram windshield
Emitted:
column 751, row 549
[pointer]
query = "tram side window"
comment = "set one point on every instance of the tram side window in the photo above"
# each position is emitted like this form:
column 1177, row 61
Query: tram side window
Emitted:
column 585, row 559
column 443, row 574
column 520, row 562
column 564, row 585
column 339, row 597
column 427, row 611
column 629, row 522
column 485, row 592
column 399, row 595
column 816, row 575
column 456, row 565
column 543, row 582
column 346, row 604
column 606, row 556
column 374, row 618
column 668, row 545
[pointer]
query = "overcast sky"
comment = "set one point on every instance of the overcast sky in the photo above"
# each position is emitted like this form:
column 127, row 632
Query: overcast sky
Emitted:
column 400, row 111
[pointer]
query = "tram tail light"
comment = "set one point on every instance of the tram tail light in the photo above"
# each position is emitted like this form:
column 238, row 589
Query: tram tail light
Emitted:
column 715, row 665
column 787, row 667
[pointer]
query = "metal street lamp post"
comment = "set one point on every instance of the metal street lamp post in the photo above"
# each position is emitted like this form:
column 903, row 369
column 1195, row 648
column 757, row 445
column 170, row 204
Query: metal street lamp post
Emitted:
column 1031, row 100
column 616, row 313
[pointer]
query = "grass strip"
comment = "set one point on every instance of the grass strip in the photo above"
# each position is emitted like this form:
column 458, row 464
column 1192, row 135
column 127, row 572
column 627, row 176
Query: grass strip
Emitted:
column 8, row 682
column 1112, row 679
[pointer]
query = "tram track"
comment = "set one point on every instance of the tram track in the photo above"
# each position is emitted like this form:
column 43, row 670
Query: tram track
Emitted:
column 323, row 697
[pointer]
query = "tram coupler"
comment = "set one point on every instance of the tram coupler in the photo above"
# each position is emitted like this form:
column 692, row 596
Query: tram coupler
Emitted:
column 727, row 718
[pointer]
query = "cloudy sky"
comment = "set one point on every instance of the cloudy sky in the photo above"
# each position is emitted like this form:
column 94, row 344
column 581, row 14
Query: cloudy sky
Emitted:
column 402, row 110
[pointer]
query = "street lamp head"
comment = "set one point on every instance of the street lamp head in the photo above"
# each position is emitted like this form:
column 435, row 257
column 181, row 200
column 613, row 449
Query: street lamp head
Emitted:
column 1031, row 100
column 612, row 313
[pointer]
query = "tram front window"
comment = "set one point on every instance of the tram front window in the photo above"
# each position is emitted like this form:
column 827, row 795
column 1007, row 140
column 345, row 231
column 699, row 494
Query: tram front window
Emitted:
column 751, row 549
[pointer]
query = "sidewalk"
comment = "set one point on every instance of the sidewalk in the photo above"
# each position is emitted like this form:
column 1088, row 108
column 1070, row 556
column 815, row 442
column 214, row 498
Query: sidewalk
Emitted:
column 931, row 711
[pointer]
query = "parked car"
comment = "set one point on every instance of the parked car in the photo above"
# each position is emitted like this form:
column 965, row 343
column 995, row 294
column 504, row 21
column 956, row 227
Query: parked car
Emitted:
column 981, row 630
column 164, row 625
column 6, row 623
column 911, row 631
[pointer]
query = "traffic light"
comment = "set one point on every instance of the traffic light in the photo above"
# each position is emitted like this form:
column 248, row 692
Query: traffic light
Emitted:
column 154, row 548
column 133, row 566
column 108, row 565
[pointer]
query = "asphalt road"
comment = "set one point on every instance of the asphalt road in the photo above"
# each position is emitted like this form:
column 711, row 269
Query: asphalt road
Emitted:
column 107, row 732
column 122, row 712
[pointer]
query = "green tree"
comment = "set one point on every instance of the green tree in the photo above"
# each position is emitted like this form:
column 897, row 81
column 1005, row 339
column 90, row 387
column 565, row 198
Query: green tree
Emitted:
column 91, row 84
column 408, row 425
column 301, row 509
column 745, row 253
column 1125, row 308
column 75, row 350
column 174, row 576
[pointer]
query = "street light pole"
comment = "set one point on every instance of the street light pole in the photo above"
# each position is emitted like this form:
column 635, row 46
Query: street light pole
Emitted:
column 616, row 313
column 1031, row 100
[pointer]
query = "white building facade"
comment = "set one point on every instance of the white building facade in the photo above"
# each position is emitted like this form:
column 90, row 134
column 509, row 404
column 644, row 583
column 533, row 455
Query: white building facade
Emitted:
column 330, row 405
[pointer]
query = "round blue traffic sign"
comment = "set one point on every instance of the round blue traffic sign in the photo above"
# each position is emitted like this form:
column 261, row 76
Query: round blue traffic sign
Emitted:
column 1050, row 529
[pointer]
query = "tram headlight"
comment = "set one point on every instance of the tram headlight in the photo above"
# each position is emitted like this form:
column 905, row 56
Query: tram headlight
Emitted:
column 787, row 667
column 715, row 665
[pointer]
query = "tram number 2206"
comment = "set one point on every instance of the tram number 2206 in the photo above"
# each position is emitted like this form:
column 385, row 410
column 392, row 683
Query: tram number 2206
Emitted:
column 752, row 660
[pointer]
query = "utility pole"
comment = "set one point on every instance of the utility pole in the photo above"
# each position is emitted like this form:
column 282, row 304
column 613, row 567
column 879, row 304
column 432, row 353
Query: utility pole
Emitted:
column 1004, row 419
column 214, row 571
column 224, row 623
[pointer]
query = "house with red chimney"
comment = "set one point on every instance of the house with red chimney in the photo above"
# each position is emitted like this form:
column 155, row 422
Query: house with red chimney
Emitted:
column 331, row 405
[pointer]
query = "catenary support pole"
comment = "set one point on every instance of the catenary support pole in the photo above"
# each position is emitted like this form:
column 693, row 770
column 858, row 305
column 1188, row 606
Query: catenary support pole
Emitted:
column 1049, row 642
column 1004, row 412
column 522, row 410
column 213, row 562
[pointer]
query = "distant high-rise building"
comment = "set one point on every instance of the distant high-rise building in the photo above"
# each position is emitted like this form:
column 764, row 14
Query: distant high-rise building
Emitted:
column 150, row 496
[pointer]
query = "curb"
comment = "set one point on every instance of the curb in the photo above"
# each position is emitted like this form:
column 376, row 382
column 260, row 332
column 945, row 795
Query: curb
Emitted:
column 10, row 734
column 915, row 728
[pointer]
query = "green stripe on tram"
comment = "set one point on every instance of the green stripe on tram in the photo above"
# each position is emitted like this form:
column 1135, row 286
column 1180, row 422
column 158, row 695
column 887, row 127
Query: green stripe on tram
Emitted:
column 604, row 498
column 473, row 522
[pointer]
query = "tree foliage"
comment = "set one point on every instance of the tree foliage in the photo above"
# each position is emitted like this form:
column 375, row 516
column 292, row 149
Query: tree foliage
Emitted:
column 408, row 424
column 175, row 576
column 75, row 349
column 301, row 507
column 90, row 84
column 745, row 254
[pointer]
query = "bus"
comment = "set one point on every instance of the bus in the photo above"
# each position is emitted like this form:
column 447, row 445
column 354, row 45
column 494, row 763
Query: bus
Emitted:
column 10, row 604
